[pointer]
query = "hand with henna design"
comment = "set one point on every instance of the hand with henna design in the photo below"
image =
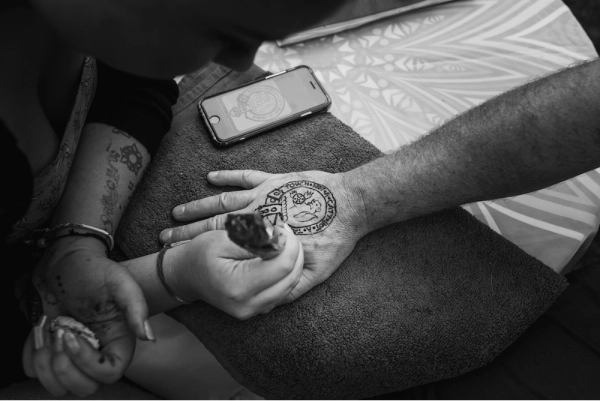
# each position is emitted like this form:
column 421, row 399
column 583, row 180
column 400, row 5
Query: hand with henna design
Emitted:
column 75, row 278
column 327, row 218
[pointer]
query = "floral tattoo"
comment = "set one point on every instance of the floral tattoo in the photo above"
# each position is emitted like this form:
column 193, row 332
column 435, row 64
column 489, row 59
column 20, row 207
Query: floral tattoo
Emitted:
column 131, row 157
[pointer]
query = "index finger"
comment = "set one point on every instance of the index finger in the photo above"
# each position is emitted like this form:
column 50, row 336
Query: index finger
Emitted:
column 210, row 206
column 246, row 179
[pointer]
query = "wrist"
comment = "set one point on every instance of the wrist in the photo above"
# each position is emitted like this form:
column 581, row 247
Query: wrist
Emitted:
column 353, row 194
column 42, row 238
column 91, row 245
column 174, row 266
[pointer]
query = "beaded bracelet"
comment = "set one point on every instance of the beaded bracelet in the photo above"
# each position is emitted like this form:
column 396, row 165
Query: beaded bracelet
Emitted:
column 161, row 274
column 42, row 238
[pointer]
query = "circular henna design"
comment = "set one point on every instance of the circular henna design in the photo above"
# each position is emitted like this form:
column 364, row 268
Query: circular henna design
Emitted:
column 307, row 207
column 259, row 103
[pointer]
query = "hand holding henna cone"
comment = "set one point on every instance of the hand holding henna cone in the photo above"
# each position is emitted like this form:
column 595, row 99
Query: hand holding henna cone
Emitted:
column 249, row 232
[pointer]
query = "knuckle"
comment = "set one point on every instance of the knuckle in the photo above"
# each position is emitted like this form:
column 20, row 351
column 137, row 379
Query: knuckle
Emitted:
column 184, row 231
column 223, row 200
column 220, row 221
column 177, row 233
column 246, row 176
column 193, row 206
column 213, row 224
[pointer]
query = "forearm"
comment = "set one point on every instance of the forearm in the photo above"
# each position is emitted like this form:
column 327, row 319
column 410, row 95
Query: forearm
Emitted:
column 107, row 167
column 527, row 139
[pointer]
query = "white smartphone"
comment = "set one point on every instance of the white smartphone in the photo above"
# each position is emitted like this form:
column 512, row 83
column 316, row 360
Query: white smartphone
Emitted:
column 270, row 102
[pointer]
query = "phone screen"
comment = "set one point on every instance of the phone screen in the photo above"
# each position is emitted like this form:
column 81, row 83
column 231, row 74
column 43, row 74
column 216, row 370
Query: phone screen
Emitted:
column 264, row 103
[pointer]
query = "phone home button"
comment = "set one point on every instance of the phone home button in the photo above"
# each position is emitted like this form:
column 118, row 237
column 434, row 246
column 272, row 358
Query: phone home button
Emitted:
column 214, row 119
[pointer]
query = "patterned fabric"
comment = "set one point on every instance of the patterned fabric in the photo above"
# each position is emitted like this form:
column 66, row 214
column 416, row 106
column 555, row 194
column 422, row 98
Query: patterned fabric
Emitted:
column 395, row 80
column 48, row 186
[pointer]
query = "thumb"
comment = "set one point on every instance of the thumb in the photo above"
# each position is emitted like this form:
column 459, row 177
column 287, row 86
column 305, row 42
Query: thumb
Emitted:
column 130, row 299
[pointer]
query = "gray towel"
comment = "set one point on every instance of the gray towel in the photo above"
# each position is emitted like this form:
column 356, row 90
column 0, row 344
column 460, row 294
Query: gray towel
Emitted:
column 415, row 302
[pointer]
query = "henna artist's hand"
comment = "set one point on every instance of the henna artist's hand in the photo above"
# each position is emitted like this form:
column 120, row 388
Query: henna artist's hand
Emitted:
column 323, row 213
column 215, row 270
column 75, row 278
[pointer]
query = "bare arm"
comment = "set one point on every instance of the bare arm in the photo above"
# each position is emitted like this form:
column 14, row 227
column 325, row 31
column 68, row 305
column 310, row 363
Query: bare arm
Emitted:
column 529, row 138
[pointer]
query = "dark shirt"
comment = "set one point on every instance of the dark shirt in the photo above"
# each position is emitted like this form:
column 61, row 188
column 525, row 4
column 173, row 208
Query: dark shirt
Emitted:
column 139, row 106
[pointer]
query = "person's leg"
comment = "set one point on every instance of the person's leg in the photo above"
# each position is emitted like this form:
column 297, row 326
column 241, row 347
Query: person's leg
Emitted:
column 558, row 357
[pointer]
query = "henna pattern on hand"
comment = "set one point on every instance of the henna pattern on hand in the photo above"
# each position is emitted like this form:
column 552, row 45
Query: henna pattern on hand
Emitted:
column 306, row 206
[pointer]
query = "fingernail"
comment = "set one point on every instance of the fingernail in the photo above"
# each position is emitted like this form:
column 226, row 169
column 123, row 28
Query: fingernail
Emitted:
column 149, row 333
column 212, row 174
column 165, row 236
column 179, row 210
column 38, row 333
column 72, row 342
column 270, row 231
column 58, row 340
column 287, row 227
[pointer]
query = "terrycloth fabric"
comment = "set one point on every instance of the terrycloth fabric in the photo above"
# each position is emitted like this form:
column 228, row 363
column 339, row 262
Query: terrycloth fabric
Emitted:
column 415, row 302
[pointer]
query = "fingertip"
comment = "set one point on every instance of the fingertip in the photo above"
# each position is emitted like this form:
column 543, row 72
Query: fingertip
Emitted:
column 165, row 236
column 132, row 301
column 139, row 325
column 148, row 332
column 179, row 211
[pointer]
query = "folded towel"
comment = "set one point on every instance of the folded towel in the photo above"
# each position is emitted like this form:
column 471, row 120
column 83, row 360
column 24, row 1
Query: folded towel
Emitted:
column 415, row 302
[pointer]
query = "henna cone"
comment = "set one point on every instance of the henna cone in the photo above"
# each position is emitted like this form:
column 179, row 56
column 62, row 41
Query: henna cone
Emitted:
column 249, row 232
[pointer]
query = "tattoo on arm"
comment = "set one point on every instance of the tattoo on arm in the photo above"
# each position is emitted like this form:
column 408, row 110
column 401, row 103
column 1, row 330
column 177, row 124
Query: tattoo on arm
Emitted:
column 111, row 199
column 306, row 206
column 132, row 157
column 128, row 155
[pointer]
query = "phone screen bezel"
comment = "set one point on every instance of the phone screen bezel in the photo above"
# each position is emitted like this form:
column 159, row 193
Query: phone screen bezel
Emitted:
column 270, row 126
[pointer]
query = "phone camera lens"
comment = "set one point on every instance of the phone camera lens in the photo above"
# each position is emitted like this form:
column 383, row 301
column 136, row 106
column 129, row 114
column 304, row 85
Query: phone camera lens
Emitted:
column 214, row 119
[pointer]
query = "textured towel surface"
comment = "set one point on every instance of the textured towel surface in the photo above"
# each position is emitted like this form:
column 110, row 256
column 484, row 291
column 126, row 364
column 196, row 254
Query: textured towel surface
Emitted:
column 415, row 302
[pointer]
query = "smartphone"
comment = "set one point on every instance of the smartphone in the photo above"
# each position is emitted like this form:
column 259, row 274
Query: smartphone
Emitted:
column 238, row 114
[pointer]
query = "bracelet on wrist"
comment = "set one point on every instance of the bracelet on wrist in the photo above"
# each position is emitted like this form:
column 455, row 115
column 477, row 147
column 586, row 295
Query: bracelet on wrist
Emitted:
column 42, row 238
column 161, row 274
